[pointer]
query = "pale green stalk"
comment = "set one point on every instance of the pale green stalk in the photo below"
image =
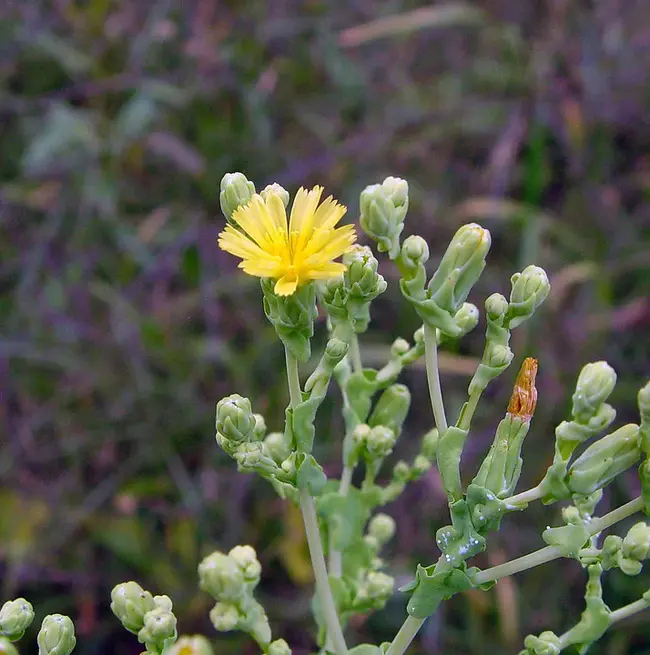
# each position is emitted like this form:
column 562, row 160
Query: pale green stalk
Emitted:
column 433, row 377
column 525, row 497
column 308, row 509
column 465, row 419
column 405, row 636
column 355, row 352
column 550, row 553
column 628, row 610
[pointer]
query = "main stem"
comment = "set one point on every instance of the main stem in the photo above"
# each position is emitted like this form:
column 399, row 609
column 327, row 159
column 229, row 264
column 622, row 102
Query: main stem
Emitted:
column 433, row 377
column 405, row 636
column 308, row 509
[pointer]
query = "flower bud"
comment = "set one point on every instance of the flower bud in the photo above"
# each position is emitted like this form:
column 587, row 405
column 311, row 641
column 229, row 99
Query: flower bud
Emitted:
column 421, row 465
column 224, row 617
column 279, row 647
column 399, row 348
column 529, row 290
column 382, row 527
column 380, row 441
column 56, row 636
column 430, row 444
column 604, row 460
column 361, row 276
column 383, row 208
column 460, row 267
column 402, row 471
column 548, row 643
column 255, row 457
column 418, row 336
column 335, row 351
column 414, row 253
column 7, row 648
column 276, row 190
column 595, row 382
column 277, row 447
column 391, row 408
column 220, row 576
column 130, row 602
column 496, row 306
column 236, row 190
column 159, row 624
column 15, row 617
column 636, row 544
column 379, row 585
column 246, row 558
column 235, row 419
column 195, row 645
column 466, row 318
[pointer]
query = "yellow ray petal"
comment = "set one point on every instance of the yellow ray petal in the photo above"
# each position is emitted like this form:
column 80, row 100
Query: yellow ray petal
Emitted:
column 286, row 286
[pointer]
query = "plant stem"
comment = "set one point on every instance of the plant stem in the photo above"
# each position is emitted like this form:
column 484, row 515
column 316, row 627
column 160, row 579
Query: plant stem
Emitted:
column 405, row 636
column 550, row 553
column 465, row 419
column 525, row 497
column 628, row 610
column 355, row 352
column 335, row 557
column 433, row 377
column 312, row 532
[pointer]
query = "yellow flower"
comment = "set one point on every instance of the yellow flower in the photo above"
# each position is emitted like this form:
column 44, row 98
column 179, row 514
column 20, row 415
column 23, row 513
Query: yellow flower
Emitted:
column 292, row 252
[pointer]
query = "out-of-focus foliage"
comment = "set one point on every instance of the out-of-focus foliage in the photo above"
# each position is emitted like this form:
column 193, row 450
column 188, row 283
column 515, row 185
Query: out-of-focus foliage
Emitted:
column 121, row 324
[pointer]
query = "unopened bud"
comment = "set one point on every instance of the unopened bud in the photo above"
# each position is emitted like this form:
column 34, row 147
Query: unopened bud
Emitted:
column 421, row 465
column 236, row 190
column 220, row 576
column 224, row 617
column 391, row 408
column 7, row 648
column 399, row 347
column 195, row 645
column 529, row 290
column 402, row 471
column 15, row 617
column 246, row 558
column 415, row 253
column 56, row 636
column 379, row 585
column 496, row 306
column 382, row 527
column 130, row 602
column 466, row 318
column 362, row 277
column 235, row 419
column 380, row 441
column 276, row 190
column 159, row 624
column 636, row 544
column 595, row 383
column 279, row 647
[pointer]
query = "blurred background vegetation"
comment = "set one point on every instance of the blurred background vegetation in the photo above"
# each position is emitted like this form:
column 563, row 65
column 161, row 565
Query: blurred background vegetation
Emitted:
column 121, row 324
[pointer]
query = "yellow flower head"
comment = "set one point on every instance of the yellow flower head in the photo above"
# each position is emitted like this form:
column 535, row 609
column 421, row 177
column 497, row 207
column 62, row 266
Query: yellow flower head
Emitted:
column 292, row 252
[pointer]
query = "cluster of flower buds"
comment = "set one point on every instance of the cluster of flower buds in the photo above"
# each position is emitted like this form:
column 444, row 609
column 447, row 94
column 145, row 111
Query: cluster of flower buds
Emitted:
column 150, row 617
column 441, row 303
column 591, row 415
column 231, row 580
column 15, row 617
column 347, row 298
column 624, row 553
column 383, row 209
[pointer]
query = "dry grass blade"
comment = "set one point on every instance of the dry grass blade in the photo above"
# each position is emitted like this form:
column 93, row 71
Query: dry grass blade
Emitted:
column 452, row 14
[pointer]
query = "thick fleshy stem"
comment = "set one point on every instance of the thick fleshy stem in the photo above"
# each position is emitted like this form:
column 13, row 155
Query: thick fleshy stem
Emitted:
column 433, row 377
column 312, row 532
column 405, row 636
column 525, row 497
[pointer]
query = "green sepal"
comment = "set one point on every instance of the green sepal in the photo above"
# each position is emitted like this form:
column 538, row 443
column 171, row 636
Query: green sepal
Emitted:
column 430, row 588
column 310, row 474
column 569, row 538
column 450, row 449
column 460, row 540
column 292, row 317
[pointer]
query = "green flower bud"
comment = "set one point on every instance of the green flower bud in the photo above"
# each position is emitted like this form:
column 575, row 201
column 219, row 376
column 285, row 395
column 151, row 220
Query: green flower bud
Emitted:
column 255, row 457
column 529, row 290
column 130, row 602
column 235, row 419
column 277, row 447
column 220, row 576
column 380, row 442
column 595, row 382
column 335, row 351
column 402, row 471
column 361, row 276
column 15, row 617
column 604, row 460
column 379, row 585
column 391, row 408
column 224, row 617
column 547, row 643
column 466, row 318
column 421, row 465
column 56, row 636
column 430, row 444
column 195, row 645
column 236, row 190
column 418, row 336
column 496, row 306
column 382, row 528
column 361, row 433
column 246, row 558
column 460, row 267
column 383, row 209
column 7, row 648
column 276, row 190
column 260, row 427
column 159, row 624
column 399, row 348
column 636, row 544
column 279, row 647
column 414, row 253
